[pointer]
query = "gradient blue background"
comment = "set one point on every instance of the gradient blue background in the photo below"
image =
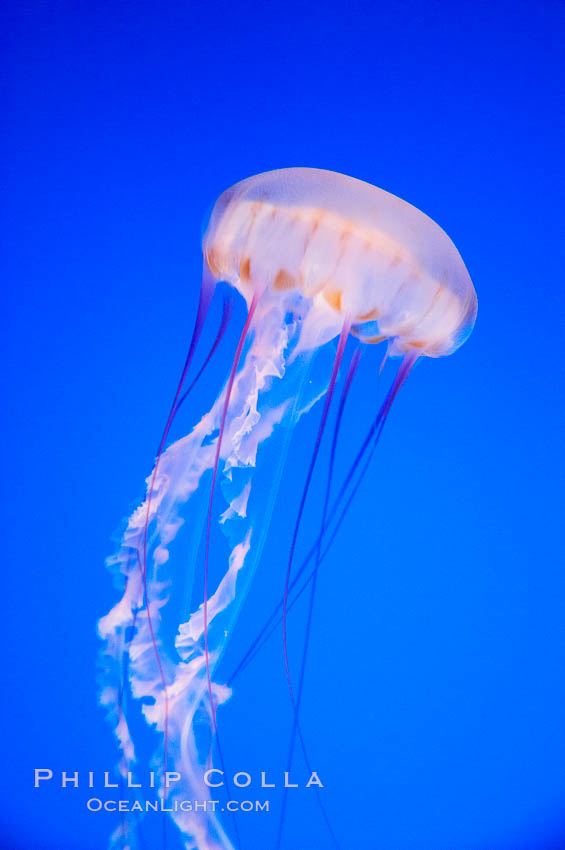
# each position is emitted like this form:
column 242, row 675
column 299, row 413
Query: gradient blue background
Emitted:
column 435, row 693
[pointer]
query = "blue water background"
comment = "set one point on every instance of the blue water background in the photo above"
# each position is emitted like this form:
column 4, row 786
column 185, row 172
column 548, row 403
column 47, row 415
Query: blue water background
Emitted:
column 434, row 702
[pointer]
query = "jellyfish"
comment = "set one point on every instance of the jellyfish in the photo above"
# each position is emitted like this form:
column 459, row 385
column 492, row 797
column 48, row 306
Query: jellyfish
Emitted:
column 318, row 257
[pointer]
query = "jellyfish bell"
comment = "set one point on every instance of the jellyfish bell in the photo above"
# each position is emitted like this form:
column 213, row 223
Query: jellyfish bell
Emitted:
column 316, row 255
column 350, row 247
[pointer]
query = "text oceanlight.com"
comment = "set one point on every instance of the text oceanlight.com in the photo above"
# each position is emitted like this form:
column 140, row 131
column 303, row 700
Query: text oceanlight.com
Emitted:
column 94, row 804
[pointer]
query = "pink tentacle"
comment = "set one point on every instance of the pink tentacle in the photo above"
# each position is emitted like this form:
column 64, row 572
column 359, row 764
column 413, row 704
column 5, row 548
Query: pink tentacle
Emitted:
column 226, row 314
column 229, row 387
column 206, row 293
column 339, row 354
column 295, row 705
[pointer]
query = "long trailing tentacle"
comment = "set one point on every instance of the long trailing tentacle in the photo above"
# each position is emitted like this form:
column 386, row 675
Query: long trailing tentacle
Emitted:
column 231, row 379
column 295, row 723
column 229, row 387
column 204, row 301
column 350, row 373
column 349, row 377
column 369, row 443
column 206, row 293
